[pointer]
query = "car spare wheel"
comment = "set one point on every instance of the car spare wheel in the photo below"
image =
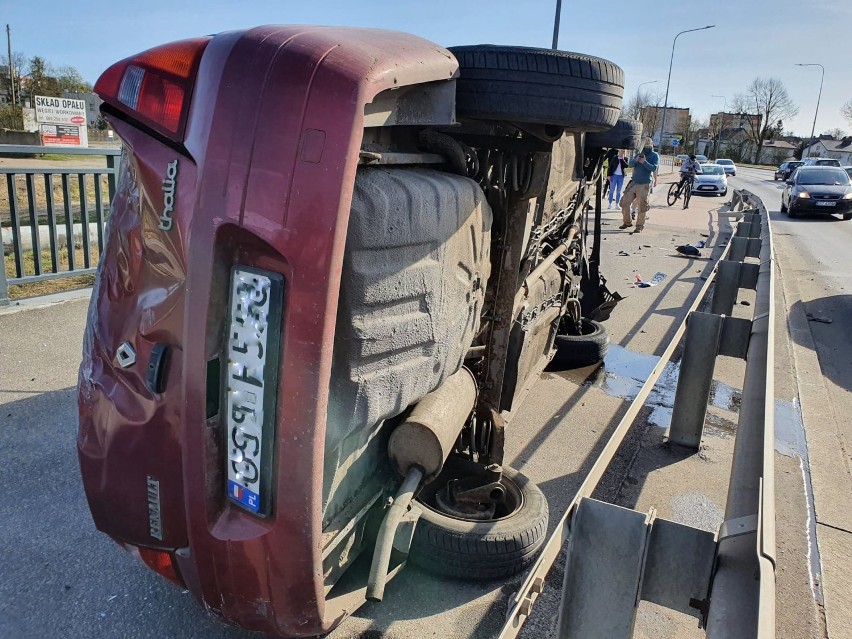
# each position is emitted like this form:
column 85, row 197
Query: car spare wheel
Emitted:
column 490, row 541
column 574, row 351
column 542, row 86
column 626, row 134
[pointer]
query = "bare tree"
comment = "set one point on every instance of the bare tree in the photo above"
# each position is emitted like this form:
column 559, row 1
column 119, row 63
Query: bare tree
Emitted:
column 846, row 111
column 768, row 98
column 837, row 133
column 691, row 134
column 645, row 106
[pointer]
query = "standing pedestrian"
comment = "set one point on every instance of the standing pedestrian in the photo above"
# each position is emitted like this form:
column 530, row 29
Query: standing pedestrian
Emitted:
column 644, row 166
column 615, row 175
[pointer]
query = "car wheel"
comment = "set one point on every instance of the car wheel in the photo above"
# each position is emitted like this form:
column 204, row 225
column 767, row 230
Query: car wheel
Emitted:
column 477, row 548
column 724, row 193
column 783, row 207
column 847, row 216
column 626, row 134
column 575, row 351
column 540, row 86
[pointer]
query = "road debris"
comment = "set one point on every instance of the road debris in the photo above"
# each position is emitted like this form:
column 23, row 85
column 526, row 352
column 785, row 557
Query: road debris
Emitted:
column 658, row 277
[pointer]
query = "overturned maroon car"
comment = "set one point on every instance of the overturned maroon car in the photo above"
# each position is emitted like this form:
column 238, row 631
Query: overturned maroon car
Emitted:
column 336, row 261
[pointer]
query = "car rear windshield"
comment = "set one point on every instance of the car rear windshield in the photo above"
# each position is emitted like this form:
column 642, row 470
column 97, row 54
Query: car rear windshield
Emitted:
column 712, row 170
column 833, row 177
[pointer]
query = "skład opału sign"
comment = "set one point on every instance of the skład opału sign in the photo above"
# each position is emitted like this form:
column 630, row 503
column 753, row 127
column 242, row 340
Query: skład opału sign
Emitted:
column 67, row 112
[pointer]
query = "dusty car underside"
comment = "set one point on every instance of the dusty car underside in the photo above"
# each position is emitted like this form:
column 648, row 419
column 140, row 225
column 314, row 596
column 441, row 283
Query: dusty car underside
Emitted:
column 405, row 236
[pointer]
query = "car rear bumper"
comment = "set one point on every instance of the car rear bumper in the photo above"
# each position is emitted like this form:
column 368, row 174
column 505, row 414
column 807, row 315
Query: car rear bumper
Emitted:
column 153, row 463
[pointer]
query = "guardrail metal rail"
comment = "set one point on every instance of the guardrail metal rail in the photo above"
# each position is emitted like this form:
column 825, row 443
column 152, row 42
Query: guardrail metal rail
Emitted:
column 36, row 225
column 617, row 556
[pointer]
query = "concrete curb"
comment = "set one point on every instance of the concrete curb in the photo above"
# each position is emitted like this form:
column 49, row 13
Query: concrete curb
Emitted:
column 29, row 303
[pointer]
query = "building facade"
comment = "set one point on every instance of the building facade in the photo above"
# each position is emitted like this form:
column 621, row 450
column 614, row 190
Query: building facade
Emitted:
column 677, row 123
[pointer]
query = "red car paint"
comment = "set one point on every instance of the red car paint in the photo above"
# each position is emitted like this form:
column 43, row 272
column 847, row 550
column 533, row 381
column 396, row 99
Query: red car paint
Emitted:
column 264, row 178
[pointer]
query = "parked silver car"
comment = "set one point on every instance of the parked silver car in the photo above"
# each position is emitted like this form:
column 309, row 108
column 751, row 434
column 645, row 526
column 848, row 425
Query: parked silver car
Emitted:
column 728, row 166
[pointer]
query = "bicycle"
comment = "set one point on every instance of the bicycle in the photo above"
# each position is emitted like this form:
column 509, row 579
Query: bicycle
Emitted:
column 683, row 188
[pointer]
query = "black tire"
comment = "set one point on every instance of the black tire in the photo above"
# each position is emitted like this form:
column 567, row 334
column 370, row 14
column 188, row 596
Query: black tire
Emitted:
column 724, row 193
column 626, row 134
column 541, row 86
column 847, row 216
column 672, row 195
column 483, row 550
column 687, row 195
column 575, row 351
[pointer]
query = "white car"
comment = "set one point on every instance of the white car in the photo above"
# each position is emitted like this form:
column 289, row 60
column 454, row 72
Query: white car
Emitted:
column 711, row 180
column 728, row 165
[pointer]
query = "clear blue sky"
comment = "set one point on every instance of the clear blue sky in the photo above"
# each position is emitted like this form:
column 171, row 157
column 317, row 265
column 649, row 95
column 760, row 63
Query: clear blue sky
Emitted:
column 752, row 37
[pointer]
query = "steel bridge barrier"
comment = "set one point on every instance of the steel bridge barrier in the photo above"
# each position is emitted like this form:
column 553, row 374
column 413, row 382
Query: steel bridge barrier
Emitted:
column 616, row 557
column 41, row 233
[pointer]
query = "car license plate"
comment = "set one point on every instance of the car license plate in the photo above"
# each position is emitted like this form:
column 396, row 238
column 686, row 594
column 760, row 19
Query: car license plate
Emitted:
column 254, row 335
column 826, row 203
column 706, row 188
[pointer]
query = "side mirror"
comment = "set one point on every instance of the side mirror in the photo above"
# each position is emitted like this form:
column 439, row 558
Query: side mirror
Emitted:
column 790, row 182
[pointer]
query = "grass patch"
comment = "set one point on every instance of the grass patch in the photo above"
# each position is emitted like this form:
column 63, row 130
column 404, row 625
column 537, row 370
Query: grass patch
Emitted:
column 19, row 291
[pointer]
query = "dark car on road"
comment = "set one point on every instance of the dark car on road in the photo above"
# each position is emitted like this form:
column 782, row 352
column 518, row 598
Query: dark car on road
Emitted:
column 786, row 169
column 818, row 189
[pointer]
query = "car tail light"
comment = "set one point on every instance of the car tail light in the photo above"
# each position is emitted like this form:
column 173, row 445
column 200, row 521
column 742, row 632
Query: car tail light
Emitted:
column 154, row 87
column 160, row 561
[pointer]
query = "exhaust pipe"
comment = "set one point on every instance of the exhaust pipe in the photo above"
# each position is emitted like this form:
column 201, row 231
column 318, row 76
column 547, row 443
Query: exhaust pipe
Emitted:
column 427, row 436
column 418, row 449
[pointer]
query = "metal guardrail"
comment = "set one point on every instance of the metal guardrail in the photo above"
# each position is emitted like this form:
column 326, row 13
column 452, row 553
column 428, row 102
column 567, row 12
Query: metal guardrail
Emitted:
column 617, row 556
column 46, row 221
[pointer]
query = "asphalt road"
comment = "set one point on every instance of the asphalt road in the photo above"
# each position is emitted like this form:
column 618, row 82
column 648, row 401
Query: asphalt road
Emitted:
column 813, row 254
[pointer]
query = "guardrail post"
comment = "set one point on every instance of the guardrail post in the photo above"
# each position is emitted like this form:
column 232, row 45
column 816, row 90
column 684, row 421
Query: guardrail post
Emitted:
column 4, row 286
column 703, row 331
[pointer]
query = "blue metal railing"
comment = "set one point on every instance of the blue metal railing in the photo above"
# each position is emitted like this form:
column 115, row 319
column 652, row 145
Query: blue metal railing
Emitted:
column 39, row 227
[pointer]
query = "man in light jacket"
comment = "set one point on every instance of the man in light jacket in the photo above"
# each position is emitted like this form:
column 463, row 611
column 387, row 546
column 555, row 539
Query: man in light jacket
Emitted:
column 644, row 167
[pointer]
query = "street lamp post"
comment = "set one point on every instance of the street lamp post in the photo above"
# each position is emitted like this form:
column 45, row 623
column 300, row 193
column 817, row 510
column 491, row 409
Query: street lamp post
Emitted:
column 721, row 125
column 556, row 23
column 668, row 82
column 822, row 77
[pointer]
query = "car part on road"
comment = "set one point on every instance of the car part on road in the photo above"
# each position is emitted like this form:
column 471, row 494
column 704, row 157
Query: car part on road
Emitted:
column 588, row 347
column 543, row 86
column 467, row 546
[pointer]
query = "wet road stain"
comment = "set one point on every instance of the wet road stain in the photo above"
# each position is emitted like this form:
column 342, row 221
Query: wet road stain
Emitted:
column 623, row 373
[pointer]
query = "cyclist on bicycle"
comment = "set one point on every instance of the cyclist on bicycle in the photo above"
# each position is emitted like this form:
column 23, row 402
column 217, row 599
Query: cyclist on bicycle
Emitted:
column 688, row 170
